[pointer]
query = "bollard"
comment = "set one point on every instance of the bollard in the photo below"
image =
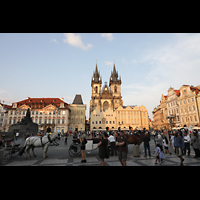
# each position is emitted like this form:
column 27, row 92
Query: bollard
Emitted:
column 136, row 152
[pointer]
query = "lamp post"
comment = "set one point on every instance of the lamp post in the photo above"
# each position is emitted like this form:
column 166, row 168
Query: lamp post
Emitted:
column 170, row 120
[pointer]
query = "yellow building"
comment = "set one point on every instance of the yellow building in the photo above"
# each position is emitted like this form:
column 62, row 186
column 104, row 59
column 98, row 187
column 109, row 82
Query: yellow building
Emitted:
column 106, row 106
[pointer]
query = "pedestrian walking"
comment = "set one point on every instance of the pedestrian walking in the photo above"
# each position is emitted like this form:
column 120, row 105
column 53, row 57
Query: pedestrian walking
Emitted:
column 179, row 146
column 65, row 135
column 122, row 148
column 103, row 148
column 195, row 144
column 165, row 143
column 157, row 153
column 161, row 155
column 186, row 139
column 111, row 141
column 146, row 140
column 17, row 135
column 83, row 142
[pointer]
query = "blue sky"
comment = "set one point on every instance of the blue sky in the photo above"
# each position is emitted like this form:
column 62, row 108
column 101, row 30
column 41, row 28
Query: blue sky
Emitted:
column 62, row 64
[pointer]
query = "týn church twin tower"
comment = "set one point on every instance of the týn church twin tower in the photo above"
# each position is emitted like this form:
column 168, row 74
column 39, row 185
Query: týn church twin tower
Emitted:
column 106, row 106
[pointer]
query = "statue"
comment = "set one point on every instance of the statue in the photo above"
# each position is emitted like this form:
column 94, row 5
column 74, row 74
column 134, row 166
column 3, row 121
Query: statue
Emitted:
column 24, row 126
column 26, row 119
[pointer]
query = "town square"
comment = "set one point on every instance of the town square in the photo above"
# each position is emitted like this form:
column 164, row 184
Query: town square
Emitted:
column 100, row 99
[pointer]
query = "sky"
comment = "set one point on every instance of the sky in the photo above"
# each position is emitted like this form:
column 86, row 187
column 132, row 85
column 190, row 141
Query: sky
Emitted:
column 62, row 64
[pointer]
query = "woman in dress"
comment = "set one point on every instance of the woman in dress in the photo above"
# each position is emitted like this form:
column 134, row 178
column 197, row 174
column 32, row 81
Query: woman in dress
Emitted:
column 103, row 153
column 83, row 141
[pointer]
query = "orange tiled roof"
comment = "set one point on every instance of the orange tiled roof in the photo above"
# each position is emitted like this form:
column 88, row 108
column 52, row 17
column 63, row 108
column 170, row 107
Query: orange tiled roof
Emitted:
column 177, row 92
column 41, row 102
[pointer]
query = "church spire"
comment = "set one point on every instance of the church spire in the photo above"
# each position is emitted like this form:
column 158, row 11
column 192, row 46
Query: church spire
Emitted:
column 96, row 76
column 114, row 76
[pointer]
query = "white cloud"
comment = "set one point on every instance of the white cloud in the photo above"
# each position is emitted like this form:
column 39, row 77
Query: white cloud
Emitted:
column 175, row 64
column 54, row 40
column 109, row 63
column 108, row 36
column 75, row 40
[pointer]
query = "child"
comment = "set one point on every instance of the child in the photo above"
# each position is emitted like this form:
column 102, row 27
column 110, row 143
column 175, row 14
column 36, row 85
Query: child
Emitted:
column 161, row 155
column 157, row 152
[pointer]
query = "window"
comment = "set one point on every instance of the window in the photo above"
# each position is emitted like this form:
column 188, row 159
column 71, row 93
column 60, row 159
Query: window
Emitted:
column 92, row 122
column 113, row 122
column 96, row 122
column 105, row 105
column 192, row 100
column 188, row 100
column 53, row 122
column 99, row 122
column 45, row 121
column 110, row 122
column 115, row 89
column 191, row 118
column 58, row 121
column 40, row 121
column 49, row 121
column 54, row 112
column 193, row 107
column 32, row 112
column 195, row 118
column 96, row 89
column 63, row 121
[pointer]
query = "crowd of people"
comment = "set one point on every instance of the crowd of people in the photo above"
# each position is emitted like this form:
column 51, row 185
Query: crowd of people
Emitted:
column 112, row 143
column 115, row 143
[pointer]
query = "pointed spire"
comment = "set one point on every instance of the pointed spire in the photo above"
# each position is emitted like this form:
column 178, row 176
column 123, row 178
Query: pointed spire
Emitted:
column 96, row 75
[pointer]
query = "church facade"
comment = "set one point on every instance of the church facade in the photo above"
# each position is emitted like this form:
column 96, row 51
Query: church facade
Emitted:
column 106, row 106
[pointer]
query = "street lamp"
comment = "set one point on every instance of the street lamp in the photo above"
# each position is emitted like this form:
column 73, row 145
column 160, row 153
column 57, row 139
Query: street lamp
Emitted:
column 170, row 120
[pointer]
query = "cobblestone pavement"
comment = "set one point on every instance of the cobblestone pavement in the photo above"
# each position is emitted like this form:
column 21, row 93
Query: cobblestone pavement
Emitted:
column 58, row 156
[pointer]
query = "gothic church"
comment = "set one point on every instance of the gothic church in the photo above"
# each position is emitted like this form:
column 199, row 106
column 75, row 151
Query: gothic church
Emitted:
column 106, row 106
column 107, row 97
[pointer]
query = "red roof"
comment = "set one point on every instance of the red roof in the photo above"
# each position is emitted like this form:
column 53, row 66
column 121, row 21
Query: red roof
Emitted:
column 177, row 92
column 43, row 102
column 194, row 89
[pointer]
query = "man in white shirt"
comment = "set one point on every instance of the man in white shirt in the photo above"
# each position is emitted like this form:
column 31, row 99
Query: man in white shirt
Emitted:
column 111, row 141
column 17, row 134
column 186, row 139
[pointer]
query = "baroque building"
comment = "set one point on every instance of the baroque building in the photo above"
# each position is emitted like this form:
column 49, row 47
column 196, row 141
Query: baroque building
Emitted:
column 183, row 105
column 189, row 114
column 46, row 112
column 106, row 106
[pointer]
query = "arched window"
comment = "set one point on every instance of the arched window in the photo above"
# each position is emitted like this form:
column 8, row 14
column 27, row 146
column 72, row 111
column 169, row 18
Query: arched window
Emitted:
column 105, row 105
column 115, row 89
column 96, row 89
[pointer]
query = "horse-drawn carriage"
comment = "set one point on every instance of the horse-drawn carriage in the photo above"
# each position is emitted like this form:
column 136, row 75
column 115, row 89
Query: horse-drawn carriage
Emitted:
column 75, row 147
